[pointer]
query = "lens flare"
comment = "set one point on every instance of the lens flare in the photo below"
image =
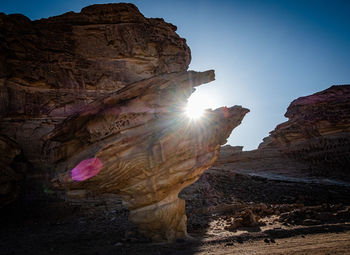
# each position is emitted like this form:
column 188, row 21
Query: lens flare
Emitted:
column 86, row 169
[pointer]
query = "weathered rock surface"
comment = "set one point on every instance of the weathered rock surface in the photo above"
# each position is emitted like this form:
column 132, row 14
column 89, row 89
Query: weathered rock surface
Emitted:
column 316, row 137
column 97, row 98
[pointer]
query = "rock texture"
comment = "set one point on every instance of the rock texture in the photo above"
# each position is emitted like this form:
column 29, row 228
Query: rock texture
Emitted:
column 316, row 137
column 97, row 99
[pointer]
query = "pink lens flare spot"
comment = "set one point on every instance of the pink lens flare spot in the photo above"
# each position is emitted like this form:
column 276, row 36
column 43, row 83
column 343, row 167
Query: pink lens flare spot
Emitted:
column 86, row 169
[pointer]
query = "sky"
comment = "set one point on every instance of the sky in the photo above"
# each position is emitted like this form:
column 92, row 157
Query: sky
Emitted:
column 265, row 53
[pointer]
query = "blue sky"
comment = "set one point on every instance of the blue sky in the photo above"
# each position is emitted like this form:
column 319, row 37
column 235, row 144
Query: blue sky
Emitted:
column 265, row 53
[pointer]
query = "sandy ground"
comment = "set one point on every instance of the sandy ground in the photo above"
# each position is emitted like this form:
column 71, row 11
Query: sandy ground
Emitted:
column 330, row 243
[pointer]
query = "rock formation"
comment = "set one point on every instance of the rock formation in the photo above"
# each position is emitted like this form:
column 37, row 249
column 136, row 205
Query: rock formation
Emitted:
column 97, row 99
column 148, row 149
column 316, row 137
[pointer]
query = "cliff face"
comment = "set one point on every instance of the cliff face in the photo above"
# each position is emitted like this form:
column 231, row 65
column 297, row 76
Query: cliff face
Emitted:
column 51, row 68
column 316, row 137
column 96, row 99
column 318, row 131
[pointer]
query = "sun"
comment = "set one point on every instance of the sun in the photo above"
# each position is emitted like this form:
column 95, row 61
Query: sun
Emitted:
column 197, row 104
column 194, row 111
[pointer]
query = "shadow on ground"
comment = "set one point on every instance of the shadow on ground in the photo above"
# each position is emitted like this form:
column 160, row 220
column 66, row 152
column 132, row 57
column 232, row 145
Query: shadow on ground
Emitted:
column 99, row 225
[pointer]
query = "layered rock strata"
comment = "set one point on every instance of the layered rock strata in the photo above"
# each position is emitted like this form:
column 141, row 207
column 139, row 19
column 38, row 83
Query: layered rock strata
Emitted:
column 316, row 137
column 97, row 99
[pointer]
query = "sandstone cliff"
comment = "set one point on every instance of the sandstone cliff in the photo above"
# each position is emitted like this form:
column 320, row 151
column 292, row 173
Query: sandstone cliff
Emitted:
column 96, row 99
column 51, row 68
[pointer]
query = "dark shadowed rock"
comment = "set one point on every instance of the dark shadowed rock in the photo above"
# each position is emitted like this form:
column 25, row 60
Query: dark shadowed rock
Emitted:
column 9, row 177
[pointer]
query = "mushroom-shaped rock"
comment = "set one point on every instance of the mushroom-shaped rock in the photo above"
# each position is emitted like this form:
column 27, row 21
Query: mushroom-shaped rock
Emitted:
column 147, row 149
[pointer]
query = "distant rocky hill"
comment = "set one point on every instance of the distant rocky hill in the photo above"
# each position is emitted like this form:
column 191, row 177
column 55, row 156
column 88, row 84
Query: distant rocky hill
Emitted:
column 316, row 138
